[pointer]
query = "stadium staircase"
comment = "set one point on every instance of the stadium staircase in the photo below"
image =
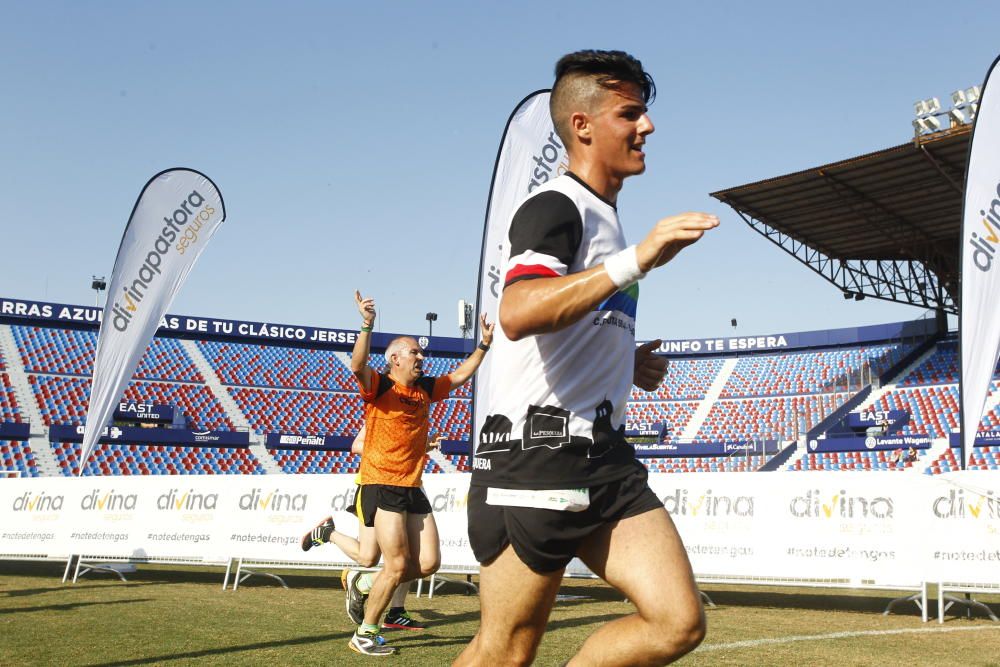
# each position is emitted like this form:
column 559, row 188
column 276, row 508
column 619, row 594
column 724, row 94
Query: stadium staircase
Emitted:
column 442, row 460
column 938, row 447
column 233, row 411
column 787, row 456
column 39, row 441
column 711, row 396
column 877, row 394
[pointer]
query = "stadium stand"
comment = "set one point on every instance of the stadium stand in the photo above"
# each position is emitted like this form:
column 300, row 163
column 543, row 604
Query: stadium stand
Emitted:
column 301, row 390
column 877, row 460
column 71, row 352
column 10, row 411
column 704, row 463
column 265, row 366
column 63, row 400
column 17, row 455
column 140, row 459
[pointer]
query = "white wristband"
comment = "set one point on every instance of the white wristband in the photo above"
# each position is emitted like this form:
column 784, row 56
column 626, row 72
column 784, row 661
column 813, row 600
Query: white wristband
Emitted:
column 623, row 268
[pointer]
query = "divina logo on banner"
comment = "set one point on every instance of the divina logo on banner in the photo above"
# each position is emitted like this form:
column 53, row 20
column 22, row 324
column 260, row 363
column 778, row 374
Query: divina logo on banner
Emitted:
column 108, row 501
column 176, row 214
column 275, row 501
column 190, row 501
column 956, row 505
column 182, row 226
column 983, row 252
column 450, row 501
column 813, row 505
column 707, row 504
column 42, row 502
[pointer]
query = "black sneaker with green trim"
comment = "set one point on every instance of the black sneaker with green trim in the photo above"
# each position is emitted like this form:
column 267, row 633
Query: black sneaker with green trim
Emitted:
column 319, row 535
column 369, row 643
column 402, row 621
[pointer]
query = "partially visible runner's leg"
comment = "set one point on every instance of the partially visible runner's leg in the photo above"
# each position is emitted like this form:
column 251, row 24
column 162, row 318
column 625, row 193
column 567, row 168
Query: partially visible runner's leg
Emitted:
column 515, row 603
column 643, row 557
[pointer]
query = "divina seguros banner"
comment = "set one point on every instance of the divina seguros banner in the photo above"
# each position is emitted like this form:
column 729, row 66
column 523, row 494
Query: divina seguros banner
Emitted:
column 172, row 221
column 530, row 154
column 979, row 324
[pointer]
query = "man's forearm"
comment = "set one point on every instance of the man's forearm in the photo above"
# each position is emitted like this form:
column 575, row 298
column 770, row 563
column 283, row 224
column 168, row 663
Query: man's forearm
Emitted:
column 359, row 356
column 467, row 368
column 544, row 305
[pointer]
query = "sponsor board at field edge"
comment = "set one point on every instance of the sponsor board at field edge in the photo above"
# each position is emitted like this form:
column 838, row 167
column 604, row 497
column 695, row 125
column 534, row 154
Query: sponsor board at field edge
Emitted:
column 979, row 319
column 33, row 518
column 961, row 516
column 885, row 528
column 530, row 155
column 174, row 218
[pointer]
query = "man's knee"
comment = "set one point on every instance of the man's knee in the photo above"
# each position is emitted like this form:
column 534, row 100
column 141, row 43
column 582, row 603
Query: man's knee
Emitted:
column 429, row 567
column 514, row 651
column 368, row 560
column 675, row 634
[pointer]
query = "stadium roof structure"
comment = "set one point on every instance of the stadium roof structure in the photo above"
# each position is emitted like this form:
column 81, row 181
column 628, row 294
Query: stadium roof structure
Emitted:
column 885, row 225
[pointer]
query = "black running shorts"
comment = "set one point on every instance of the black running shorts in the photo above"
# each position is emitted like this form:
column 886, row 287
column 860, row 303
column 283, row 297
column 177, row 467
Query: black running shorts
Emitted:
column 547, row 540
column 371, row 497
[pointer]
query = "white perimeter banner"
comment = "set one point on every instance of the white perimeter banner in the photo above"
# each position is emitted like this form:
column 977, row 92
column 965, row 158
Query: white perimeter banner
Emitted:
column 530, row 154
column 860, row 528
column 172, row 221
column 979, row 324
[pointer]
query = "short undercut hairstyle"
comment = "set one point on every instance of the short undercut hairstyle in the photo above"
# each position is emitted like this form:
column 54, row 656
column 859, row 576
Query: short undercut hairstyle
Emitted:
column 581, row 78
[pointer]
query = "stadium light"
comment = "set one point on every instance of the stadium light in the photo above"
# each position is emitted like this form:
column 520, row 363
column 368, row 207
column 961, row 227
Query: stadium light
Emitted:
column 859, row 297
column 733, row 322
column 431, row 319
column 98, row 285
column 847, row 295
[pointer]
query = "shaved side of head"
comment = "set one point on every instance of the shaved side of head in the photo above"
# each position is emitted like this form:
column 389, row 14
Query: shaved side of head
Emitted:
column 584, row 77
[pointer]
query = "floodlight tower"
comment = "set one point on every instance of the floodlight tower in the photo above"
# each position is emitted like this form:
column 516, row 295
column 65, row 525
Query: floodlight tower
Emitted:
column 98, row 285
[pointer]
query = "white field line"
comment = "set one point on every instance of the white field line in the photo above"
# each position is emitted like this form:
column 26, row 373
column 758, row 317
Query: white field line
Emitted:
column 752, row 643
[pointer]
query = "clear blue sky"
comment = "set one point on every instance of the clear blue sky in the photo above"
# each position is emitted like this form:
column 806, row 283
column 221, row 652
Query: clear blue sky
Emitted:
column 354, row 142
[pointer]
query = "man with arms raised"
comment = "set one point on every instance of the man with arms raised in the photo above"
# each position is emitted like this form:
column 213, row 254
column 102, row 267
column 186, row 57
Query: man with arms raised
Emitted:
column 397, row 418
column 553, row 477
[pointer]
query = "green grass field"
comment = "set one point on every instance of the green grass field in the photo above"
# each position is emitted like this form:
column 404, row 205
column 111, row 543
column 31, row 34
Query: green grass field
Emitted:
column 181, row 616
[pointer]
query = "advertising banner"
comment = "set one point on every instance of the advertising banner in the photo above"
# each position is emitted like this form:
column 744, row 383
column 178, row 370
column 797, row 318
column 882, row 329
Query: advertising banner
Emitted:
column 530, row 154
column 143, row 412
column 869, row 418
column 297, row 441
column 862, row 528
column 979, row 317
column 868, row 443
column 172, row 436
column 172, row 221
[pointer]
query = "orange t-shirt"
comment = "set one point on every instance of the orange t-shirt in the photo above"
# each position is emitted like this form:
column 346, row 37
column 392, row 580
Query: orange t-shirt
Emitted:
column 397, row 419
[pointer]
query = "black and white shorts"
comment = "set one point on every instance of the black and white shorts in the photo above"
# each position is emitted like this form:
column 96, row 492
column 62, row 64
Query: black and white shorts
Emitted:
column 547, row 540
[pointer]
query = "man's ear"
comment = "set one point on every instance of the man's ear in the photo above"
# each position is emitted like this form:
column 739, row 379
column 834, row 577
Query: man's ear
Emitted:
column 581, row 125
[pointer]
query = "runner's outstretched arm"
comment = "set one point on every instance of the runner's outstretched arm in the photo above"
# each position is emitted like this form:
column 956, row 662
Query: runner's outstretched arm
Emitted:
column 359, row 357
column 467, row 368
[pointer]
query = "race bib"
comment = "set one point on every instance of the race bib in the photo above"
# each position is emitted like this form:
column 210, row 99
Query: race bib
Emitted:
column 566, row 500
